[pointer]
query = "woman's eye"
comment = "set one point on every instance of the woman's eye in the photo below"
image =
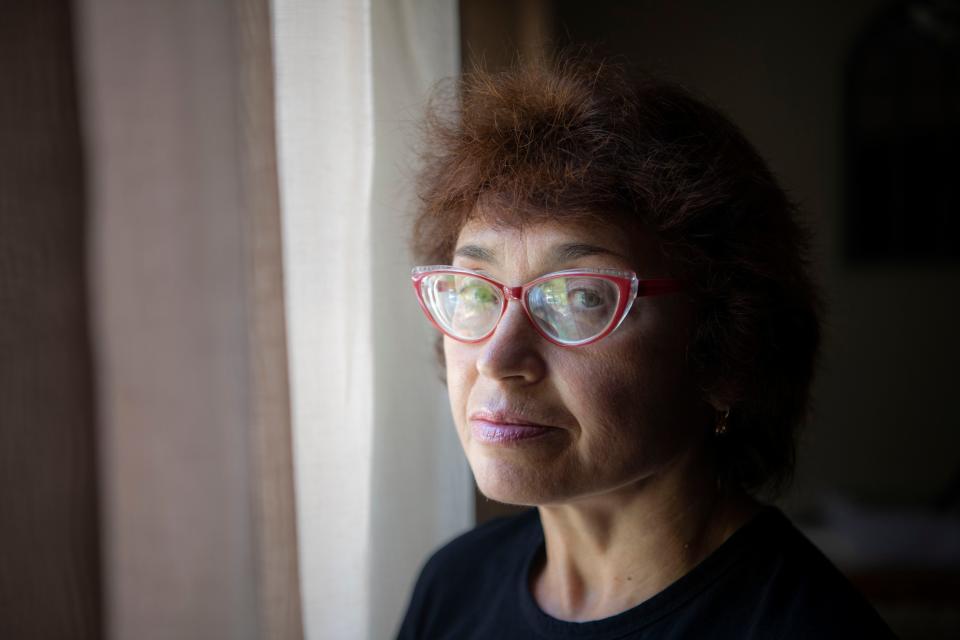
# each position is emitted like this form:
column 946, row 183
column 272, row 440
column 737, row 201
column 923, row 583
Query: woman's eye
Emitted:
column 477, row 294
column 586, row 298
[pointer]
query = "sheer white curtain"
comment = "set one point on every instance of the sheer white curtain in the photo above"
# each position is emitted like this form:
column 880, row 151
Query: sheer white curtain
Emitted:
column 379, row 475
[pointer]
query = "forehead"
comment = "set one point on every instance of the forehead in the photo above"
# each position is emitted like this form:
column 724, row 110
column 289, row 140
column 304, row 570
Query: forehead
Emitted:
column 552, row 244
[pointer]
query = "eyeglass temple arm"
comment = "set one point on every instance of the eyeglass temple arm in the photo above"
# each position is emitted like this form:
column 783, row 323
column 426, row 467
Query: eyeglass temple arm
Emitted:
column 657, row 287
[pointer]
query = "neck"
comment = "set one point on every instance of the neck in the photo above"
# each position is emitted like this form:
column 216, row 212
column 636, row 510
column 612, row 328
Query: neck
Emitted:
column 608, row 553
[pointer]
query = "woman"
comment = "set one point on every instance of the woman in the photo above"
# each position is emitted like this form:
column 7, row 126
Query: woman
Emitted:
column 629, row 340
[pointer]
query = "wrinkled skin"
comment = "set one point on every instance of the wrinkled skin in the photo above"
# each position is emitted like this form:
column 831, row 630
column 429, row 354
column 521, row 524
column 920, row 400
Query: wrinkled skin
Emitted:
column 625, row 409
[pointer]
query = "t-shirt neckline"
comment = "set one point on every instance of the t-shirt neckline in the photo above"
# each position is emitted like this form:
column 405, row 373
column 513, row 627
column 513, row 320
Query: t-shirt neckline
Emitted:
column 649, row 611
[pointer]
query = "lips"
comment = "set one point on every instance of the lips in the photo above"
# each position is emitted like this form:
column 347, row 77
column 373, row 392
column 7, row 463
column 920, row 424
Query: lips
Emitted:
column 502, row 427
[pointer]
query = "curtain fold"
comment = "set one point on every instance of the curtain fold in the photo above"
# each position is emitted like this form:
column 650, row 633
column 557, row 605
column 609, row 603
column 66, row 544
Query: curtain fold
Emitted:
column 379, row 475
column 275, row 449
column 422, row 490
column 325, row 147
column 187, row 320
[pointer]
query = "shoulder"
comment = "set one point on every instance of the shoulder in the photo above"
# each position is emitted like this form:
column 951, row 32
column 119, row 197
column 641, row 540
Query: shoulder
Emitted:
column 487, row 546
column 800, row 592
column 475, row 562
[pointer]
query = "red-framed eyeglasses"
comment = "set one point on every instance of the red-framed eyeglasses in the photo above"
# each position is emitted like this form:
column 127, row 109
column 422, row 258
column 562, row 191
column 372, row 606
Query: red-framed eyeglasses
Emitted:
column 570, row 308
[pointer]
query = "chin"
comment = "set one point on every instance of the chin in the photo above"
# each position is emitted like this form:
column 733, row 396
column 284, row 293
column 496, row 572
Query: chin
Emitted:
column 510, row 483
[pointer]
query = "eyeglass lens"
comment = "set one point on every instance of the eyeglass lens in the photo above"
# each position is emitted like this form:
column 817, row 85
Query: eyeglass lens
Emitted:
column 569, row 309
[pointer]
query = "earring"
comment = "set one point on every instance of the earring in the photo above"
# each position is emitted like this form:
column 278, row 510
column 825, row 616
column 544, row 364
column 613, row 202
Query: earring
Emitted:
column 721, row 427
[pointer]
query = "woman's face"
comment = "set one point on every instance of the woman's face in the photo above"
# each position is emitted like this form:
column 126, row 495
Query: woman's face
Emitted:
column 620, row 410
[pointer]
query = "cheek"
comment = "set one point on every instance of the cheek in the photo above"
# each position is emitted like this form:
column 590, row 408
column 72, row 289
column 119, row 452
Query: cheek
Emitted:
column 460, row 374
column 634, row 400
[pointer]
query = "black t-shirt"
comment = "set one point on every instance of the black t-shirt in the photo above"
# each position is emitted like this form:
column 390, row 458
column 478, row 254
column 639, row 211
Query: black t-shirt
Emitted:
column 766, row 581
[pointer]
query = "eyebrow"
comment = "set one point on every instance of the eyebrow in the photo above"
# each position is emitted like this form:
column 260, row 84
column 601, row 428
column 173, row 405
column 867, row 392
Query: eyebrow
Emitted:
column 477, row 253
column 567, row 252
column 573, row 250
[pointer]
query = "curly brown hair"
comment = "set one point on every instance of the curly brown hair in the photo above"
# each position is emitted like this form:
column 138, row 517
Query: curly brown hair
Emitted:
column 572, row 138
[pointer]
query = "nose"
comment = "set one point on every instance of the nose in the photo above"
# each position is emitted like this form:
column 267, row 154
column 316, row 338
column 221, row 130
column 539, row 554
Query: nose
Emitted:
column 513, row 352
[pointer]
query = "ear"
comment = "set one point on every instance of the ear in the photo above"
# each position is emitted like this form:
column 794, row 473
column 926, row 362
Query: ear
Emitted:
column 719, row 391
column 722, row 397
column 718, row 405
